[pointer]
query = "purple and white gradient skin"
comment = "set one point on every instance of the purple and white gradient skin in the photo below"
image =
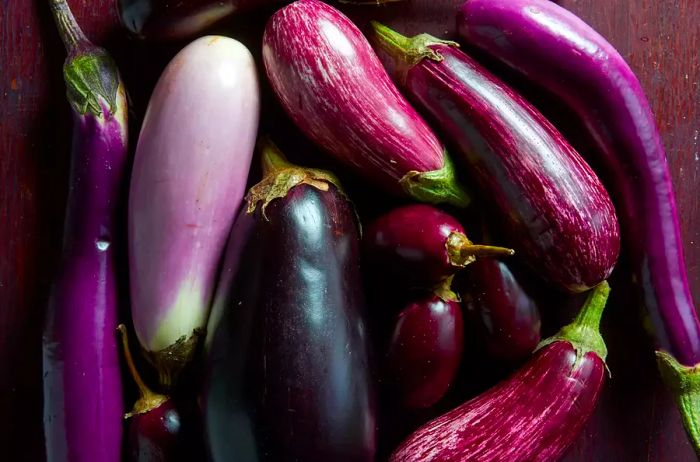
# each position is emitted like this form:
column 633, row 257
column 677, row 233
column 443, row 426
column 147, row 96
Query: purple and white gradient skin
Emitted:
column 333, row 86
column 188, row 182
column 557, row 50
column 83, row 405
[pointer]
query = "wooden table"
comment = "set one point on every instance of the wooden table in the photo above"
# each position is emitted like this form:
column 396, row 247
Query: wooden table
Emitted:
column 635, row 421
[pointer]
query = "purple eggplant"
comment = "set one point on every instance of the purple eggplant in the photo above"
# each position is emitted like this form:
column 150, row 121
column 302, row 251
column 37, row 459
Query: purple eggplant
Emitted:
column 288, row 374
column 422, row 244
column 557, row 50
column 500, row 313
column 332, row 85
column 155, row 423
column 189, row 178
column 535, row 414
column 425, row 349
column 82, row 383
column 549, row 203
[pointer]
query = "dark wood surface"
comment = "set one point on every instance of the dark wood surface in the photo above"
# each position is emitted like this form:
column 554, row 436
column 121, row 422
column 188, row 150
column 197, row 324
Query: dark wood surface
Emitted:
column 635, row 421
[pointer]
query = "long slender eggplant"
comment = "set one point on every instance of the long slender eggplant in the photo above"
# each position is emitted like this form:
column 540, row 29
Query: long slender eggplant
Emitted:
column 500, row 313
column 534, row 415
column 288, row 374
column 422, row 244
column 557, row 50
column 82, row 383
column 188, row 182
column 426, row 348
column 550, row 204
column 332, row 85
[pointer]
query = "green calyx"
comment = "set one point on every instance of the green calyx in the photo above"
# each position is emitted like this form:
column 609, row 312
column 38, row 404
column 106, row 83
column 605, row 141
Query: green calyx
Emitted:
column 435, row 186
column 92, row 81
column 684, row 384
column 443, row 290
column 280, row 176
column 584, row 332
column 407, row 51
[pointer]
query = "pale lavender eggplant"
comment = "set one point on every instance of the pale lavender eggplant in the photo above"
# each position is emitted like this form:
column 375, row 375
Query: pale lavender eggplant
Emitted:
column 557, row 50
column 82, row 384
column 189, row 178
column 333, row 86
column 534, row 415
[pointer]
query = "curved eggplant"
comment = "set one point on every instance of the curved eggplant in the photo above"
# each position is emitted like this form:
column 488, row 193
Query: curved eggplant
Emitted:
column 534, row 415
column 81, row 377
column 550, row 204
column 189, row 177
column 334, row 88
column 288, row 374
column 426, row 348
column 503, row 317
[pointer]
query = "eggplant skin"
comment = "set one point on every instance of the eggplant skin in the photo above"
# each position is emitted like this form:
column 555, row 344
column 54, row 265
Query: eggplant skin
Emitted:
column 533, row 416
column 288, row 371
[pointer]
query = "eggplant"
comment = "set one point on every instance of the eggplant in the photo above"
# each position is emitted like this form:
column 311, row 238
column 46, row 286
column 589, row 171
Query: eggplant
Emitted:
column 425, row 349
column 532, row 416
column 287, row 359
column 558, row 51
column 332, row 85
column 422, row 244
column 189, row 177
column 501, row 315
column 550, row 205
column 81, row 376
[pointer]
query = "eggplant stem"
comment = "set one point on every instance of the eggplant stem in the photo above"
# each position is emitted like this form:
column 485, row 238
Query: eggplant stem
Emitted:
column 684, row 384
column 583, row 333
column 444, row 290
column 149, row 399
column 407, row 51
column 69, row 30
column 436, row 186
column 271, row 157
column 461, row 251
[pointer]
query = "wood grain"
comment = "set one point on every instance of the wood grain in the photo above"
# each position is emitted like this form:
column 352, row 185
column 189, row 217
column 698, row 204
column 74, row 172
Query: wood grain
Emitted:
column 635, row 421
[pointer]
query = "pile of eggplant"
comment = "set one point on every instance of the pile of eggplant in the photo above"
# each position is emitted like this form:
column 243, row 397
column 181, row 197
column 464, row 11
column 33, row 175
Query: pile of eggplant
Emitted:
column 279, row 313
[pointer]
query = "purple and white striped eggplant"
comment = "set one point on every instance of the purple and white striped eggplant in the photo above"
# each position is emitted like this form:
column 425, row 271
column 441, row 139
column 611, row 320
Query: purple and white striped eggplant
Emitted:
column 189, row 178
column 82, row 383
column 333, row 86
column 534, row 415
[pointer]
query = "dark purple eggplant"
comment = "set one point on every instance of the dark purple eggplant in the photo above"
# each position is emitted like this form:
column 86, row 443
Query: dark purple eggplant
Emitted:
column 500, row 314
column 558, row 51
column 421, row 244
column 82, row 383
column 426, row 348
column 548, row 202
column 287, row 360
column 534, row 415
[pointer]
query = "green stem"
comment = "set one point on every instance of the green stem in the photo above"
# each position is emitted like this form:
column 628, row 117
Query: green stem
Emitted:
column 461, row 251
column 271, row 157
column 436, row 186
column 148, row 399
column 584, row 331
column 684, row 384
column 407, row 51
column 444, row 290
column 68, row 28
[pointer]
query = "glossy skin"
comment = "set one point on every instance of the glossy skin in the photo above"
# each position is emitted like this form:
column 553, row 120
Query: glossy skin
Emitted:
column 153, row 435
column 288, row 375
column 533, row 416
column 165, row 19
column 558, row 51
column 81, row 374
column 551, row 206
column 499, row 311
column 410, row 241
column 333, row 86
column 425, row 350
column 189, row 177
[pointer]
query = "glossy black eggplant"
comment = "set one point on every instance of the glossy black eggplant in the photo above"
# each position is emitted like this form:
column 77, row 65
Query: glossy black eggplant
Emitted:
column 288, row 374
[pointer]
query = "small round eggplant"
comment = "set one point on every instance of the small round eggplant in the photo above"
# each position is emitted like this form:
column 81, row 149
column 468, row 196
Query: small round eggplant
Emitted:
column 157, row 430
column 499, row 311
column 426, row 349
column 422, row 244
